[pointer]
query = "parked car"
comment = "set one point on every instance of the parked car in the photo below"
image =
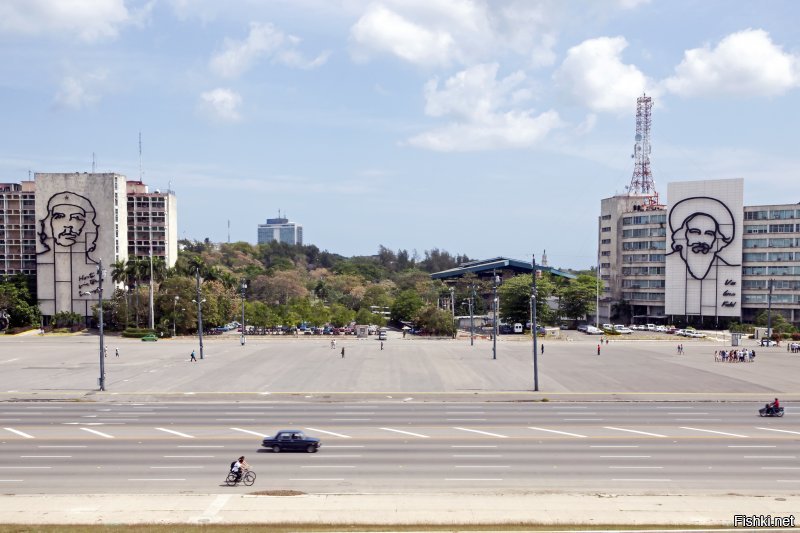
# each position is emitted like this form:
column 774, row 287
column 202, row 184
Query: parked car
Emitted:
column 583, row 327
column 764, row 342
column 620, row 328
column 661, row 329
column 150, row 337
column 505, row 329
column 291, row 440
column 591, row 330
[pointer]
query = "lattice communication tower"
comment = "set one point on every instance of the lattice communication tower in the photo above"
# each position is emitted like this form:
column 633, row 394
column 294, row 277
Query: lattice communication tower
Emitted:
column 642, row 183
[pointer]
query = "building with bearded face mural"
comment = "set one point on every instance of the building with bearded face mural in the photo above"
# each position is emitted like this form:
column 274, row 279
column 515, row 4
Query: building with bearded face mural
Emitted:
column 78, row 224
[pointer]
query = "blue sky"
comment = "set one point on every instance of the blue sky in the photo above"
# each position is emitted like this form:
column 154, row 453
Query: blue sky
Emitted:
column 484, row 127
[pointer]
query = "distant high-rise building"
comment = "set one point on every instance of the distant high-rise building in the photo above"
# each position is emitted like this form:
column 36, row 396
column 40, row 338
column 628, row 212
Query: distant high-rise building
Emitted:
column 281, row 230
column 152, row 223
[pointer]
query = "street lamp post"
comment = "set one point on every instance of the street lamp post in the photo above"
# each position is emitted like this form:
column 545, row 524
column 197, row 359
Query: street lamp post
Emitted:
column 494, row 324
column 152, row 307
column 99, row 290
column 769, row 308
column 244, row 287
column 174, row 304
column 126, row 305
column 199, row 313
column 471, row 317
column 534, row 328
column 453, row 307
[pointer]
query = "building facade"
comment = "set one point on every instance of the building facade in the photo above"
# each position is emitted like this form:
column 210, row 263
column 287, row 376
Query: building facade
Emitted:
column 702, row 259
column 18, row 235
column 152, row 223
column 280, row 230
column 59, row 227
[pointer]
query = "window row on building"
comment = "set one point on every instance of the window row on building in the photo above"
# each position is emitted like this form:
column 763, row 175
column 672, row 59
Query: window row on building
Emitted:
column 643, row 258
column 644, row 245
column 644, row 219
column 772, row 214
column 771, row 271
column 648, row 296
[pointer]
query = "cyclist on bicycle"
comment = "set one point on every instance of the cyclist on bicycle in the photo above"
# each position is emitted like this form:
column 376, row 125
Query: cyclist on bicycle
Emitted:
column 238, row 468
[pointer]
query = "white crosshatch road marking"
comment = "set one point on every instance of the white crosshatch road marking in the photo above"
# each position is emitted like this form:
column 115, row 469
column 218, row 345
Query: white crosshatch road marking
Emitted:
column 715, row 432
column 99, row 433
column 20, row 433
column 635, row 431
column 178, row 433
column 250, row 432
column 568, row 434
column 329, row 433
column 483, row 432
column 406, row 433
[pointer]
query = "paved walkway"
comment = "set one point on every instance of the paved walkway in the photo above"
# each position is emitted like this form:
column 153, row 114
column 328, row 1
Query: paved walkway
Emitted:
column 238, row 507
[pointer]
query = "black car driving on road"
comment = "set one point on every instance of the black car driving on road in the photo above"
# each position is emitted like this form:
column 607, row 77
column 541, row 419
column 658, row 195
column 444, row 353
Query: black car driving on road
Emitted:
column 291, row 440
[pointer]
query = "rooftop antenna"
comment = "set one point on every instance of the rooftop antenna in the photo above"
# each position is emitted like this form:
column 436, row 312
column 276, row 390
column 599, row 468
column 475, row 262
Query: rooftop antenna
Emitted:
column 642, row 183
column 93, row 162
column 140, row 155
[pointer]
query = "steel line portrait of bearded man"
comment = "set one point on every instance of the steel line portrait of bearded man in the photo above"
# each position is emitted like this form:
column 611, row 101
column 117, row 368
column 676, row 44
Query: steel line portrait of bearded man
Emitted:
column 68, row 236
column 701, row 228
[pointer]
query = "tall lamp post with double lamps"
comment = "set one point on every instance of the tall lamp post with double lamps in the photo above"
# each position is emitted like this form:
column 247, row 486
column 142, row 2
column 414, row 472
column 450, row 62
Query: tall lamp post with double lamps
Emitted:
column 244, row 287
column 174, row 305
column 99, row 290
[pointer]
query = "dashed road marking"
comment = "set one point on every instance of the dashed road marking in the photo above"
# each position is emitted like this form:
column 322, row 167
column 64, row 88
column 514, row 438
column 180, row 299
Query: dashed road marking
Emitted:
column 483, row 432
column 636, row 431
column 20, row 433
column 781, row 430
column 568, row 434
column 178, row 433
column 250, row 432
column 406, row 433
column 99, row 433
column 715, row 432
column 329, row 433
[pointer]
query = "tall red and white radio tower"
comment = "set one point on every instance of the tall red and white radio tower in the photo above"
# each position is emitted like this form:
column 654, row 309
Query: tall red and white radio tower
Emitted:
column 642, row 183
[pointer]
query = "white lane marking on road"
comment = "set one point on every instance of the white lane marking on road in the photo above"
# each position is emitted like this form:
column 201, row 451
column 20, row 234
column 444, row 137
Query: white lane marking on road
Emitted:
column 20, row 433
column 156, row 479
column 176, row 467
column 406, row 433
column 483, row 432
column 483, row 466
column 10, row 360
column 635, row 431
column 350, row 419
column 200, row 446
column 715, row 432
column 329, row 433
column 769, row 456
column 780, row 430
column 100, row 433
column 250, row 432
column 188, row 456
column 568, row 434
column 583, row 420
column 636, row 467
column 473, row 479
column 45, row 456
column 327, row 466
column 751, row 446
column 316, row 479
column 474, row 446
column 215, row 507
column 178, row 433
column 625, row 456
column 639, row 479
column 64, row 446
column 614, row 446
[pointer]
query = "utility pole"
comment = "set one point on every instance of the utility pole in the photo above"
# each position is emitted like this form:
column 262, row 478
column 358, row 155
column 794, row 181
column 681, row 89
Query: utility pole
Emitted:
column 533, row 325
column 769, row 309
column 244, row 287
column 152, row 313
column 199, row 313
column 494, row 325
column 100, row 313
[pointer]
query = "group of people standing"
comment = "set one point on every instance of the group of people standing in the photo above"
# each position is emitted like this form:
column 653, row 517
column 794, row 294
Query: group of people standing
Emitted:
column 793, row 347
column 735, row 356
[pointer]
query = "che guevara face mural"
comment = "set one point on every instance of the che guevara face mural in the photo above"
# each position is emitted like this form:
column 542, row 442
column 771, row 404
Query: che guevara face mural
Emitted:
column 70, row 219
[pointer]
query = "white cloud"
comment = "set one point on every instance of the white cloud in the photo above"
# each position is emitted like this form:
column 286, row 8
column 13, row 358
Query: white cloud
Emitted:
column 436, row 33
column 78, row 91
column 484, row 113
column 264, row 40
column 90, row 20
column 594, row 75
column 222, row 104
column 743, row 63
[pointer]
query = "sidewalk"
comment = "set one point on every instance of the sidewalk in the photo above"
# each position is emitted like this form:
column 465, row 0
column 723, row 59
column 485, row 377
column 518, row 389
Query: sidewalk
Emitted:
column 436, row 508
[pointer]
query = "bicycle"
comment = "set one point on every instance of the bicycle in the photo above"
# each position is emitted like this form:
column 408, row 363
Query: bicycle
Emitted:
column 248, row 478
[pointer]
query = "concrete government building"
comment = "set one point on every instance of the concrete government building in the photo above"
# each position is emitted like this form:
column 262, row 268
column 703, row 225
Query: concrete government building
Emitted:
column 703, row 259
column 59, row 227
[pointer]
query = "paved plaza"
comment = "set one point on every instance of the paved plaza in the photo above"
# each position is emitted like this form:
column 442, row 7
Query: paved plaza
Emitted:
column 307, row 367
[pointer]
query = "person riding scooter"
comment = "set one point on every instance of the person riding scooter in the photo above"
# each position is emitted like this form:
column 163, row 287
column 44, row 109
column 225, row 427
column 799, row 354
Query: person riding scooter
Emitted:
column 773, row 407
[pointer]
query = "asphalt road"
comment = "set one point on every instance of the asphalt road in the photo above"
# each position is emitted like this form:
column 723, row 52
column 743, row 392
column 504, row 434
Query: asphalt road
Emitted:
column 396, row 446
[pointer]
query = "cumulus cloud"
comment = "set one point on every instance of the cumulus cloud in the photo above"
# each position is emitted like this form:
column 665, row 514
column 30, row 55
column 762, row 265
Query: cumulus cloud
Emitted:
column 263, row 41
column 594, row 75
column 441, row 33
column 222, row 104
column 743, row 63
column 78, row 91
column 485, row 112
column 90, row 20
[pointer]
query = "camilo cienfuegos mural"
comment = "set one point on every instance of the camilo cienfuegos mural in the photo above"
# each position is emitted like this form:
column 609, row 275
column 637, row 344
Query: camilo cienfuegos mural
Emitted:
column 78, row 224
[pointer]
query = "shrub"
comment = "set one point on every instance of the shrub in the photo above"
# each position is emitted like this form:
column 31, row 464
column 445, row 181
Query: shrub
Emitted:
column 137, row 333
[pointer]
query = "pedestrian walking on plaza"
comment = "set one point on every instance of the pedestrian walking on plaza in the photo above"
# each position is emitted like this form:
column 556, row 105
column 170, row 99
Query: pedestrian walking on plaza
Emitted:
column 598, row 349
column 193, row 357
column 342, row 352
column 606, row 341
column 542, row 349
column 116, row 352
column 333, row 344
column 381, row 345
